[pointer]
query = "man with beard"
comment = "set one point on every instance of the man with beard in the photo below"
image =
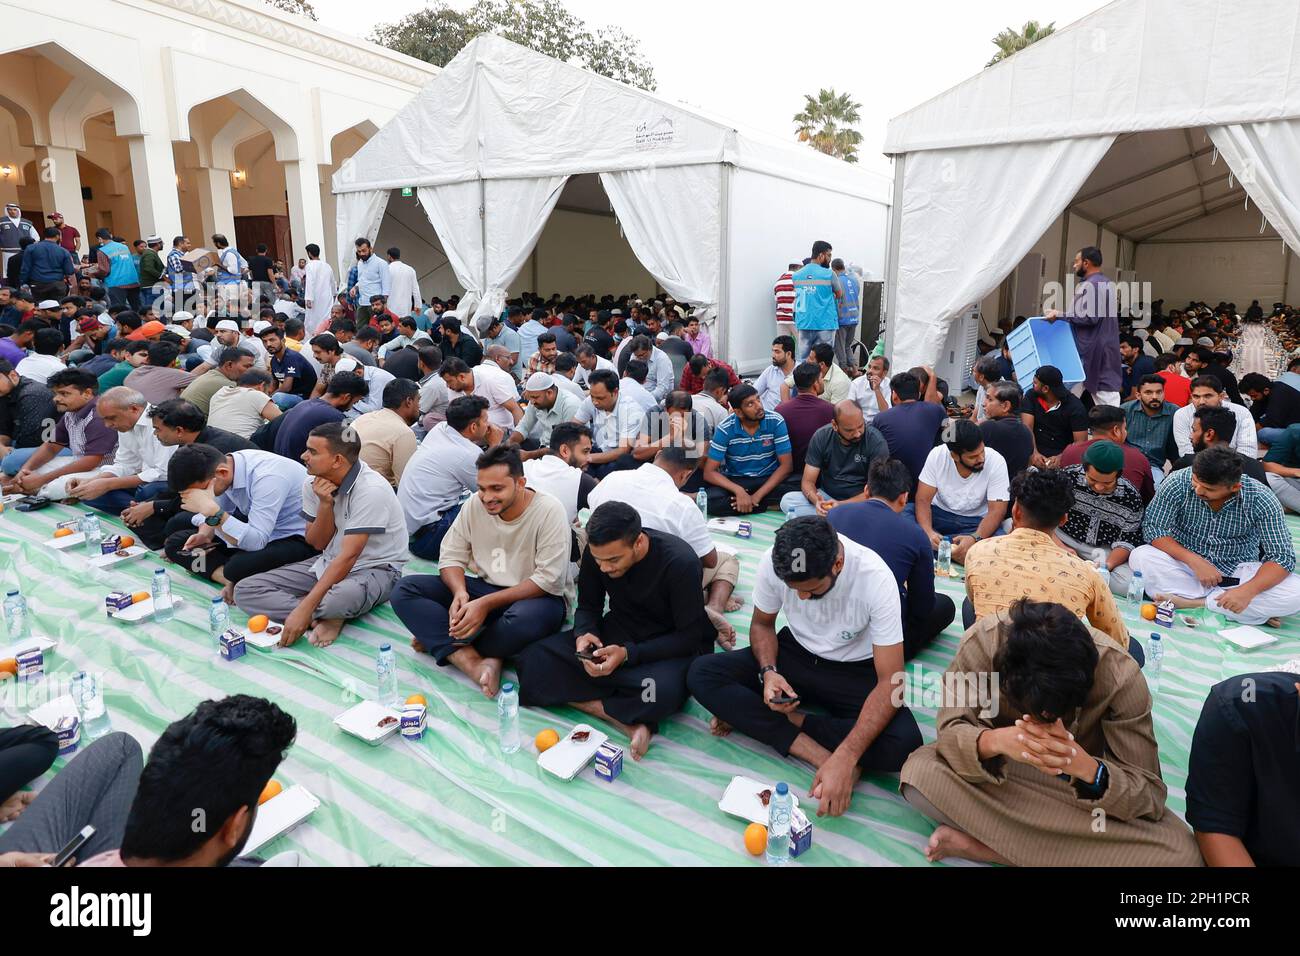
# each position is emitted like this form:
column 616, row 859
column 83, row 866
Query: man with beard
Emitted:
column 839, row 652
column 963, row 490
column 774, row 376
column 372, row 280
column 1217, row 426
column 1208, row 392
column 1150, row 421
column 215, row 762
column 751, row 460
column 654, row 629
column 519, row 540
column 1094, row 320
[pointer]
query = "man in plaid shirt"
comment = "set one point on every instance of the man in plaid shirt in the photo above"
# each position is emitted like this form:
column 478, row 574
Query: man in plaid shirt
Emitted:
column 698, row 368
column 1218, row 539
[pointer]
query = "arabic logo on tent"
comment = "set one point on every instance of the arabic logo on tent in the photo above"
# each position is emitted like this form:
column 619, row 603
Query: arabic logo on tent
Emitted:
column 656, row 134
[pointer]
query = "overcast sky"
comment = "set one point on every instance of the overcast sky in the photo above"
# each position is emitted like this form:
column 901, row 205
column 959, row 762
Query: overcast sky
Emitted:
column 752, row 61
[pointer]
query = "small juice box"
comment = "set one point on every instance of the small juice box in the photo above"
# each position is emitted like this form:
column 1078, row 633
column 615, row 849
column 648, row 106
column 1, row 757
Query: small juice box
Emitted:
column 800, row 832
column 68, row 730
column 414, row 721
column 117, row 601
column 1165, row 613
column 233, row 645
column 746, row 530
column 31, row 665
column 609, row 762
column 110, row 544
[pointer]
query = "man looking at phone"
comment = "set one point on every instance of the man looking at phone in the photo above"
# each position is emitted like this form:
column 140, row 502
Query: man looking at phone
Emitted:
column 840, row 651
column 627, row 666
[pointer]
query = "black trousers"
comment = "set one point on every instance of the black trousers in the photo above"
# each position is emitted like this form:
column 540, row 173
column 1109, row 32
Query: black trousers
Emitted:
column 721, row 502
column 728, row 686
column 919, row 632
column 25, row 754
column 235, row 563
column 550, row 675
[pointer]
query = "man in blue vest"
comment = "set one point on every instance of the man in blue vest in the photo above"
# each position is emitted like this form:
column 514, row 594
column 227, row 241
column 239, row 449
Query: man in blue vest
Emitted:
column 816, row 295
column 849, row 312
column 116, row 266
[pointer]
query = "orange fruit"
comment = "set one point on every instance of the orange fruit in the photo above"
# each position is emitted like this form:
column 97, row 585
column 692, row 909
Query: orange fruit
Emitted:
column 1148, row 612
column 272, row 788
column 257, row 623
column 139, row 596
column 9, row 666
column 126, row 542
column 417, row 699
column 756, row 838
column 62, row 532
column 546, row 739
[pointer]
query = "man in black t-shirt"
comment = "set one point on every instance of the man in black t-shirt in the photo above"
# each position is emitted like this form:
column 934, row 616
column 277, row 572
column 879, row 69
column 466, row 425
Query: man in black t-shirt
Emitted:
column 261, row 268
column 1054, row 416
column 1002, row 428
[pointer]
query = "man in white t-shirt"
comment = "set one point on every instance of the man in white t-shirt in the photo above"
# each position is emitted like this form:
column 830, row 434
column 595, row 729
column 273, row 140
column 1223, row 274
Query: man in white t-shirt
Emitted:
column 242, row 408
column 588, row 362
column 710, row 402
column 561, row 471
column 773, row 377
column 840, row 651
column 376, row 378
column 1208, row 392
column 615, row 424
column 489, row 381
column 654, row 490
column 963, row 491
column 871, row 391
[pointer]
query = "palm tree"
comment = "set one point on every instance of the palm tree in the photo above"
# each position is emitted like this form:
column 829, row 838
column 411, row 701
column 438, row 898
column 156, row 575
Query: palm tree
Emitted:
column 1009, row 41
column 824, row 124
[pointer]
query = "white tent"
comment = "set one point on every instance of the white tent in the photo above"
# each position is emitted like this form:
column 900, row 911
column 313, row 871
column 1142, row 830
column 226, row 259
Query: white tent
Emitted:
column 1123, row 121
column 713, row 214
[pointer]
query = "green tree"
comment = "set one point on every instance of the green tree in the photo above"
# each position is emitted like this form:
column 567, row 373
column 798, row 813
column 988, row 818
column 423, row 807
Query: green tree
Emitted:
column 438, row 32
column 1011, row 41
column 300, row 7
column 825, row 124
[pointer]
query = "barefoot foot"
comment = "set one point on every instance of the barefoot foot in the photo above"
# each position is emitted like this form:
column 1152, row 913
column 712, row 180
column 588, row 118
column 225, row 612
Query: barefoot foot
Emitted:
column 15, row 805
column 1179, row 602
column 325, row 633
column 719, row 727
column 489, row 676
column 641, row 735
column 946, row 842
column 228, row 594
column 726, row 633
column 734, row 603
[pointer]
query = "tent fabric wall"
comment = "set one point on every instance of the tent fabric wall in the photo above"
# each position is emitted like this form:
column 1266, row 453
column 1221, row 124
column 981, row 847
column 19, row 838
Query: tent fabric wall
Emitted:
column 358, row 216
column 968, row 217
column 453, row 211
column 652, row 204
column 516, row 211
column 1265, row 157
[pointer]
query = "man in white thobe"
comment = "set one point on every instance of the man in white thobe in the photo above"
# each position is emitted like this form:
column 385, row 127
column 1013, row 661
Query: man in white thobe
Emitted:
column 318, row 295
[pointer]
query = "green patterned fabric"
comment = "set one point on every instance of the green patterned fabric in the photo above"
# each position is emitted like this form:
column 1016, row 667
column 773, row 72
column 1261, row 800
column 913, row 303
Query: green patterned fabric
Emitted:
column 454, row 797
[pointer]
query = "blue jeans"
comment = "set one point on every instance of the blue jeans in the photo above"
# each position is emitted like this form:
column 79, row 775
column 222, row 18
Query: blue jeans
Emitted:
column 285, row 401
column 427, row 542
column 119, row 499
column 948, row 524
column 800, row 506
column 807, row 339
column 14, row 461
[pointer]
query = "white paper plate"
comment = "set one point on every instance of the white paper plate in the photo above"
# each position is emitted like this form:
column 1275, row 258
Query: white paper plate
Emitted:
column 113, row 558
column 281, row 813
column 741, row 799
column 50, row 713
column 66, row 542
column 263, row 639
column 724, row 525
column 1248, row 638
column 362, row 722
column 569, row 756
column 141, row 611
column 33, row 643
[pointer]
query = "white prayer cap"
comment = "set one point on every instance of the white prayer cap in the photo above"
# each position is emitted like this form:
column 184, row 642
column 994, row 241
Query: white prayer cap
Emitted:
column 227, row 325
column 261, row 326
column 348, row 364
column 539, row 382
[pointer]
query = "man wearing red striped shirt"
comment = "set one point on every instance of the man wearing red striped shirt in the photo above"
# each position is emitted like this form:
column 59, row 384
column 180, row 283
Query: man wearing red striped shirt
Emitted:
column 784, row 292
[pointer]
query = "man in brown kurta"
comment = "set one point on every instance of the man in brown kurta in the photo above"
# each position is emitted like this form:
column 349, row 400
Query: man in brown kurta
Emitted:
column 996, row 804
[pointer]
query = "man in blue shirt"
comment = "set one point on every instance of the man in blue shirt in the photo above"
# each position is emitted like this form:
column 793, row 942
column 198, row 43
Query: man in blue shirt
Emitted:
column 372, row 279
column 47, row 267
column 528, row 333
column 849, row 312
column 1135, row 365
column 295, row 378
column 242, row 513
column 344, row 390
column 879, row 524
column 911, row 425
column 816, row 295
column 750, row 464
column 116, row 266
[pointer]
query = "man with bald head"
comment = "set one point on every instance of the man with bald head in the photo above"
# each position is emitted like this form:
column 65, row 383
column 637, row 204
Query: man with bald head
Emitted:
column 139, row 468
column 502, row 357
column 837, row 462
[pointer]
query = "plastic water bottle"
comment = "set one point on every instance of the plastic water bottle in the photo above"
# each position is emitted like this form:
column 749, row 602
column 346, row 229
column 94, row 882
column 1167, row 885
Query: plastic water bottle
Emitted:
column 1136, row 588
column 508, row 717
column 218, row 618
column 386, row 676
column 702, row 502
column 790, row 513
column 162, row 597
column 778, row 826
column 17, row 623
column 89, row 697
column 94, row 533
column 1099, row 559
column 944, row 567
column 1155, row 658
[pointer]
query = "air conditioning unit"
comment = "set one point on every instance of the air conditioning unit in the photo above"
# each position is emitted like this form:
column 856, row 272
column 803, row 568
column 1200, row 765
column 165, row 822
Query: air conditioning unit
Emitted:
column 959, row 349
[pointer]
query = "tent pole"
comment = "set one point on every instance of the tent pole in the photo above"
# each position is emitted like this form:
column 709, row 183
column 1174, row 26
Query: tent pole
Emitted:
column 482, row 228
column 1286, row 268
column 889, row 303
column 724, row 259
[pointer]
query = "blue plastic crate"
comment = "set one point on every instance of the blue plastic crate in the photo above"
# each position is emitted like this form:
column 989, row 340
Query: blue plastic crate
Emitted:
column 1038, row 342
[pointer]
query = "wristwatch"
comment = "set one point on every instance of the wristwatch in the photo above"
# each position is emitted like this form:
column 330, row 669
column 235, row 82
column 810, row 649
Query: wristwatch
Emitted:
column 1095, row 789
column 762, row 671
column 215, row 519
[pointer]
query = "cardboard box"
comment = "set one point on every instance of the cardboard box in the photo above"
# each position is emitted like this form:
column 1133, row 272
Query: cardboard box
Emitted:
column 1165, row 613
column 233, row 645
column 31, row 665
column 800, row 832
column 68, row 730
column 609, row 762
column 110, row 544
column 117, row 601
column 414, row 721
column 198, row 260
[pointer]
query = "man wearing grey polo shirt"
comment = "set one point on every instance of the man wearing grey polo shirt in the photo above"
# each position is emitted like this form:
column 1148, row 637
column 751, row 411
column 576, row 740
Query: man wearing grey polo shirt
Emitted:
column 355, row 519
column 547, row 407
column 242, row 513
column 441, row 471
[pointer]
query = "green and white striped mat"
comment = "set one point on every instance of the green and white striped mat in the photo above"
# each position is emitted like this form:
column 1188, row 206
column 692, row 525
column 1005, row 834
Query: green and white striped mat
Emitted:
column 454, row 797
